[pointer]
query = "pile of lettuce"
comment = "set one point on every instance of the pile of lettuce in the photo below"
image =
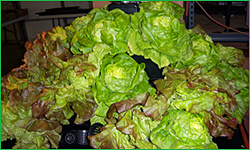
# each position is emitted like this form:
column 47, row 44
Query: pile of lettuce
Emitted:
column 86, row 69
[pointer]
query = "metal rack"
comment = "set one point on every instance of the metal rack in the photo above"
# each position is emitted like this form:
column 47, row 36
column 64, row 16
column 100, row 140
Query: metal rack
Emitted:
column 215, row 37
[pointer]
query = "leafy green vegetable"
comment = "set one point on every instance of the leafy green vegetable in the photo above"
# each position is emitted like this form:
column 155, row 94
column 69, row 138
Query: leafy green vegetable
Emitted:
column 204, row 52
column 200, row 92
column 128, row 118
column 39, row 93
column 158, row 34
column 103, row 27
column 168, row 8
column 120, row 78
column 241, row 78
column 20, row 119
column 182, row 130
column 110, row 137
column 233, row 56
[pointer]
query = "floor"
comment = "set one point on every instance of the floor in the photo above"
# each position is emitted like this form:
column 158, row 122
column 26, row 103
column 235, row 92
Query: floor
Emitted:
column 12, row 54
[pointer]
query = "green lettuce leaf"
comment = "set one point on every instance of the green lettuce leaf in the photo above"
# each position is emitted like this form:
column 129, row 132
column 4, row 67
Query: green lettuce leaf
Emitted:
column 204, row 52
column 22, row 120
column 110, row 137
column 182, row 130
column 234, row 56
column 159, row 35
column 106, row 27
column 196, row 91
column 169, row 8
column 120, row 78
column 241, row 78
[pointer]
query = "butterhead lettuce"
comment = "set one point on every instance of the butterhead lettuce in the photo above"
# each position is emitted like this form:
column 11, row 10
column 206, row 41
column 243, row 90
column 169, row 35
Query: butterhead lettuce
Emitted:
column 182, row 130
column 121, row 77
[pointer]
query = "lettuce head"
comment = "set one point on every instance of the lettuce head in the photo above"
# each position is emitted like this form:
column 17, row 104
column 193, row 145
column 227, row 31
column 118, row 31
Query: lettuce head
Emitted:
column 121, row 77
column 182, row 130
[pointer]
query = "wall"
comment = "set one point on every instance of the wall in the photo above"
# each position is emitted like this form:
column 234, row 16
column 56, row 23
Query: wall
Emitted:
column 35, row 27
column 8, row 5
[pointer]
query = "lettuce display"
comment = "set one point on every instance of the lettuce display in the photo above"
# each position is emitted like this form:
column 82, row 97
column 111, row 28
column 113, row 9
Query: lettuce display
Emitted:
column 86, row 69
column 38, row 95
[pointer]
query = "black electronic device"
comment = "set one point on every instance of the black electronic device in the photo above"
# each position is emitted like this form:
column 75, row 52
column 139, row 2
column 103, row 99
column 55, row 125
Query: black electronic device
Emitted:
column 75, row 136
column 128, row 8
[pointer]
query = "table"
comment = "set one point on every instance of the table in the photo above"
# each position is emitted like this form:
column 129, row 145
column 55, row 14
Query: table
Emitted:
column 58, row 17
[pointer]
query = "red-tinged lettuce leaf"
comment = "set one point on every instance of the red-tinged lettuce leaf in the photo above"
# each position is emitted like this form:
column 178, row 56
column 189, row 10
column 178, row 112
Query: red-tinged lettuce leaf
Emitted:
column 19, row 72
column 129, row 119
column 215, row 78
column 240, row 75
column 111, row 118
column 39, row 65
column 33, row 139
column 155, row 108
column 201, row 92
column 165, row 87
column 39, row 108
column 243, row 104
column 130, row 103
column 48, row 129
column 60, row 108
column 76, row 71
column 63, row 98
column 51, row 129
column 125, row 105
column 132, row 121
column 235, row 57
column 136, row 123
column 59, row 51
column 241, row 78
column 63, row 114
column 110, row 138
column 84, row 107
column 58, row 33
column 4, row 94
column 198, row 30
column 30, row 140
column 126, row 124
column 173, row 77
column 216, row 127
column 219, row 104
column 43, row 125
column 138, row 126
column 17, row 121
column 50, row 110
column 21, row 102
